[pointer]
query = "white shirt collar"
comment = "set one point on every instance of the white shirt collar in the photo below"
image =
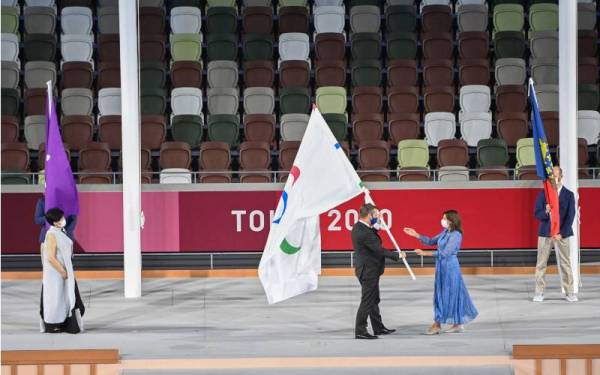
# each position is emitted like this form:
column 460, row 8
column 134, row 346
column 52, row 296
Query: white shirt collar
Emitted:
column 559, row 189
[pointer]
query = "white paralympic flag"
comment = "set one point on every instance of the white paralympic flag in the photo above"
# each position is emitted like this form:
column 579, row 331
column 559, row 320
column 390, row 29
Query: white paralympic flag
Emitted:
column 320, row 179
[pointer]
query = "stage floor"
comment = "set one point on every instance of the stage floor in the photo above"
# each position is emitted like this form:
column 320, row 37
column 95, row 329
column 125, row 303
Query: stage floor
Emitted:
column 228, row 318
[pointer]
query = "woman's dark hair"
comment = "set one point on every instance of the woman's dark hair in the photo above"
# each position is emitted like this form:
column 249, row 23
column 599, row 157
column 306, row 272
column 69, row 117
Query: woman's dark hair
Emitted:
column 453, row 220
column 53, row 215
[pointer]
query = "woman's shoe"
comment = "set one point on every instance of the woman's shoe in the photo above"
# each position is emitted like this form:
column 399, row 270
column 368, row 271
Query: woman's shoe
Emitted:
column 433, row 331
column 455, row 329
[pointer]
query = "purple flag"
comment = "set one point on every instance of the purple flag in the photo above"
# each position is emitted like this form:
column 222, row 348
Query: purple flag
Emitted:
column 61, row 191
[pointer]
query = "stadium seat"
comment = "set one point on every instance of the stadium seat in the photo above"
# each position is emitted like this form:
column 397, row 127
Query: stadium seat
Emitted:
column 294, row 73
column 175, row 155
column 436, row 18
column 293, row 19
column 365, row 46
column 15, row 159
column 257, row 20
column 109, row 75
column 329, row 19
column 588, row 97
column 509, row 44
column 331, row 99
column 413, row 160
column 259, row 100
column 215, row 160
column 35, row 101
column 453, row 174
column 403, row 126
column 77, row 131
column 544, row 70
column 37, row 73
column 109, row 131
column 185, row 20
column 438, row 98
column 257, row 47
column 76, row 20
column 259, row 74
column 151, row 20
column 175, row 176
column 10, row 102
column 525, row 167
column 186, row 101
column 152, row 47
column 222, row 74
column 108, row 20
column 472, row 17
column 34, row 130
column 474, row 71
column 511, row 98
column 223, row 100
column 510, row 71
column 508, row 17
column 330, row 73
column 438, row 72
column 77, row 74
column 512, row 126
column 543, row 44
column 287, row 154
column 10, row 19
column 294, row 46
column 452, row 153
column 39, row 47
column 221, row 19
column 547, row 96
column 473, row 44
column 186, row 74
column 259, row 127
column 403, row 99
column 400, row 18
column 77, row 47
column 292, row 126
column 77, row 101
column 402, row 73
column 109, row 47
column 255, row 162
column 587, row 70
column 294, row 100
column 109, row 102
column 401, row 45
column 153, row 131
column 543, row 17
column 373, row 160
column 39, row 19
column 366, row 73
column 475, row 98
column 330, row 46
column 475, row 126
column 338, row 123
column 586, row 16
column 11, row 75
column 588, row 126
column 186, row 47
column 187, row 128
column 10, row 129
column 439, row 126
column 94, row 159
column 222, row 47
column 365, row 19
column 153, row 75
column 437, row 45
column 10, row 47
column 367, row 100
column 587, row 45
column 152, row 101
column 367, row 127
column 492, row 152
column 224, row 128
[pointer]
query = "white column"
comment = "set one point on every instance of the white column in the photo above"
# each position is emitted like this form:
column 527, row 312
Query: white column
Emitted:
column 567, row 63
column 130, row 120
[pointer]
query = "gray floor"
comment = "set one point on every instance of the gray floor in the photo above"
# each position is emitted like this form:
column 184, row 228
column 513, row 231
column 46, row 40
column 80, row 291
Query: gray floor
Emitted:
column 229, row 318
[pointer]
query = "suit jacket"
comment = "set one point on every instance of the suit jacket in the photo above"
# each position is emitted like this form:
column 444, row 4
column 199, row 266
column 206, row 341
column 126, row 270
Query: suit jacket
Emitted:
column 566, row 208
column 369, row 255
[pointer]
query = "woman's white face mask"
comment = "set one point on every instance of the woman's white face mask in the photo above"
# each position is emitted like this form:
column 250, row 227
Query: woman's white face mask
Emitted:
column 62, row 223
column 444, row 223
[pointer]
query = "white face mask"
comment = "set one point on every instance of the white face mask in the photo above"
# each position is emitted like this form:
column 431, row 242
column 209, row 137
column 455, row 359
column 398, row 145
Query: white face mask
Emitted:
column 444, row 223
column 62, row 223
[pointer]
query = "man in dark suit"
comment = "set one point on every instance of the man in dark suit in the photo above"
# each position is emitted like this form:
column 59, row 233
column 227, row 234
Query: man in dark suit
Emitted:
column 566, row 203
column 369, row 258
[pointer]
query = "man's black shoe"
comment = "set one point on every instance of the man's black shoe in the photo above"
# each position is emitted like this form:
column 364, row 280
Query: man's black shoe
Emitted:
column 365, row 336
column 385, row 331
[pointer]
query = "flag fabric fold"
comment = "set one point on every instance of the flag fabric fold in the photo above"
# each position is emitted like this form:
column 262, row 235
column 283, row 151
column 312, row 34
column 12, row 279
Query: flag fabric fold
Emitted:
column 321, row 178
column 543, row 161
column 60, row 190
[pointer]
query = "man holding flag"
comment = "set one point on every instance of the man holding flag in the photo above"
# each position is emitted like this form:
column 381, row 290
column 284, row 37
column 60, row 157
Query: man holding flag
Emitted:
column 555, row 210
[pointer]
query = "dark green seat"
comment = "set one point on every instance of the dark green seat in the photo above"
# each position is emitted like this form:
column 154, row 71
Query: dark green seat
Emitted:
column 401, row 18
column 366, row 46
column 366, row 73
column 10, row 102
column 224, row 128
column 294, row 100
column 222, row 47
column 401, row 46
column 221, row 20
column 153, row 101
column 258, row 47
column 588, row 97
column 152, row 75
column 509, row 44
column 40, row 47
column 10, row 178
column 187, row 128
column 492, row 152
column 184, row 3
column 338, row 124
column 364, row 2
column 496, row 2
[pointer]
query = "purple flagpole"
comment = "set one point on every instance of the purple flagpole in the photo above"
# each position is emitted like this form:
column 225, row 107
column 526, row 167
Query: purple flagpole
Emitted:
column 60, row 190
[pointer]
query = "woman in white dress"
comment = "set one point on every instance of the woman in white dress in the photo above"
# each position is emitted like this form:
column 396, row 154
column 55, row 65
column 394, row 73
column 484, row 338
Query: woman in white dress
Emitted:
column 61, row 308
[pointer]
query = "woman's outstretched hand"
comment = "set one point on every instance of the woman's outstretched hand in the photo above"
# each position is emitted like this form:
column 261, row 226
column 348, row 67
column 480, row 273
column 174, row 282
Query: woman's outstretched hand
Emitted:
column 411, row 232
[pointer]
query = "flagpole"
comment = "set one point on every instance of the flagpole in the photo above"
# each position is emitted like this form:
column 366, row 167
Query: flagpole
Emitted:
column 368, row 199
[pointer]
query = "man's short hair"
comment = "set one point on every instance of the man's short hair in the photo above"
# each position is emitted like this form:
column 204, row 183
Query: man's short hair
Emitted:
column 366, row 209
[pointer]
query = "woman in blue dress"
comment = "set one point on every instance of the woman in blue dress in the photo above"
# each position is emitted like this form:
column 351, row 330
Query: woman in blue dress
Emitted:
column 451, row 301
